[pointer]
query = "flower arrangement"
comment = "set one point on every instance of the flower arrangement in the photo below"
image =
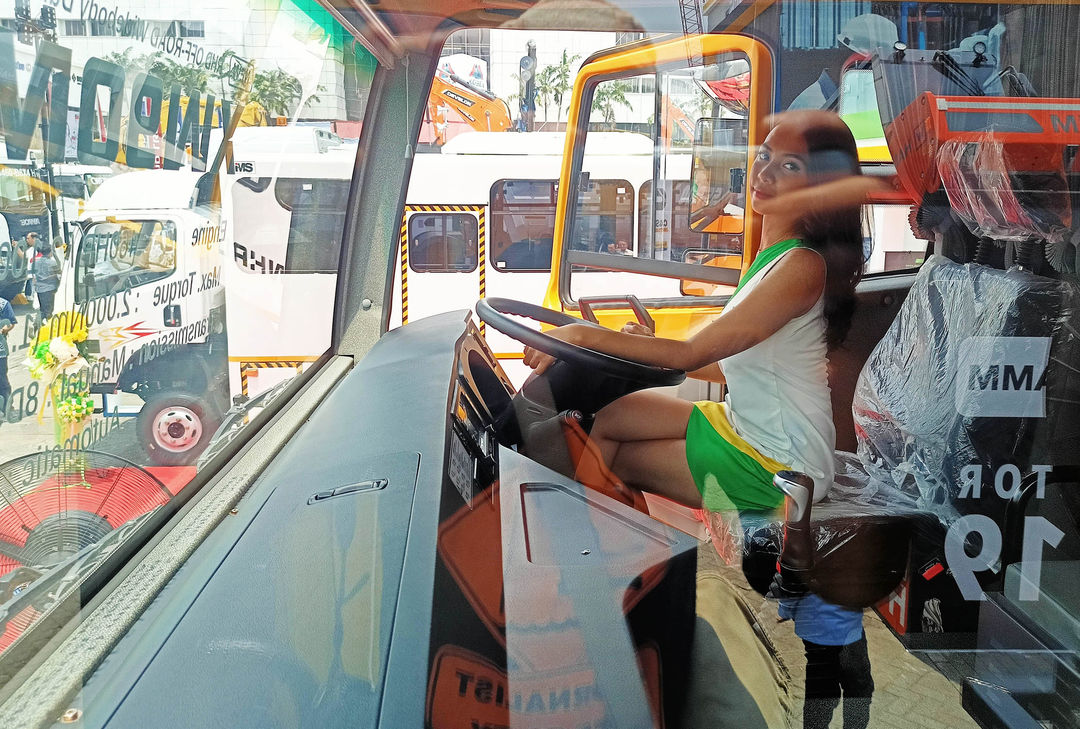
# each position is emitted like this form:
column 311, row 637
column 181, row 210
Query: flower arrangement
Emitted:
column 75, row 409
column 59, row 357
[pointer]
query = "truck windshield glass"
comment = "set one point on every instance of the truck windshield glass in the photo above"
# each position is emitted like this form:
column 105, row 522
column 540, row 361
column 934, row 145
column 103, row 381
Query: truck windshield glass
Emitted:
column 118, row 257
column 685, row 202
column 276, row 278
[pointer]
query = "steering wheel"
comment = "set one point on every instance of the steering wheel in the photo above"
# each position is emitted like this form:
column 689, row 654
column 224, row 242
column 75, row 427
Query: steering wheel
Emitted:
column 498, row 313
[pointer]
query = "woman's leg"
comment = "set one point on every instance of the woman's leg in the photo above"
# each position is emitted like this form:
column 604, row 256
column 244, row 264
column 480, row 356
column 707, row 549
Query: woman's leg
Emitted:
column 642, row 438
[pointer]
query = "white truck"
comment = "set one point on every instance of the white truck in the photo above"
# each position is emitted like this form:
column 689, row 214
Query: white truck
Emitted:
column 149, row 272
column 146, row 274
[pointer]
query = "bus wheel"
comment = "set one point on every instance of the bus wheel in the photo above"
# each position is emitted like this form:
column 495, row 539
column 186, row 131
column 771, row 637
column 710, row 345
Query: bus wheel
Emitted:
column 175, row 427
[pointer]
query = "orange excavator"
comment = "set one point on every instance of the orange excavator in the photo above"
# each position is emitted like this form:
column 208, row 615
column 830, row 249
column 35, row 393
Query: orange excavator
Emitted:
column 480, row 109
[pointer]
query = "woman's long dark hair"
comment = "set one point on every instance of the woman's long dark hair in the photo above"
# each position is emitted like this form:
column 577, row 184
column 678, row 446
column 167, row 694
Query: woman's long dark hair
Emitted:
column 837, row 234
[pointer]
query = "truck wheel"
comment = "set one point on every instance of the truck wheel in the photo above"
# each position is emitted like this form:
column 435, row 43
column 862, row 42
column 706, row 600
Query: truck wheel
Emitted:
column 175, row 427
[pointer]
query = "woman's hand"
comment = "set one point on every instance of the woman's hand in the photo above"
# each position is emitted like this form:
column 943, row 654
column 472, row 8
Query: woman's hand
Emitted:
column 707, row 215
column 633, row 327
column 540, row 361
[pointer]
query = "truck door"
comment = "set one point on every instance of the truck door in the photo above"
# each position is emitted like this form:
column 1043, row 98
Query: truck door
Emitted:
column 693, row 232
column 442, row 258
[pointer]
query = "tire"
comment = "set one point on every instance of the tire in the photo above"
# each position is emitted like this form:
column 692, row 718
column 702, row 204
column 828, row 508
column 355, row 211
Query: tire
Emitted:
column 175, row 427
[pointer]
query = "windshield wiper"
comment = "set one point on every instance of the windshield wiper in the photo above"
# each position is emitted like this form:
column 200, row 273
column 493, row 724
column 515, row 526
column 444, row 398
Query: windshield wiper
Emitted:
column 948, row 67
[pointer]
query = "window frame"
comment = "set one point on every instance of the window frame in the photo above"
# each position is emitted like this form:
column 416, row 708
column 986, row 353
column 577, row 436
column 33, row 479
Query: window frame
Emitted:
column 572, row 260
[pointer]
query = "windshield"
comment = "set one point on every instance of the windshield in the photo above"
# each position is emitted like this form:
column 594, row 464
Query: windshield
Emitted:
column 562, row 364
column 143, row 311
column 70, row 185
column 19, row 191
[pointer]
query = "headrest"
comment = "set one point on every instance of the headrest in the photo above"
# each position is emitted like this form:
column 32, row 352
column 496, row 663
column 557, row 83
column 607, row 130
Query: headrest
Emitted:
column 1003, row 198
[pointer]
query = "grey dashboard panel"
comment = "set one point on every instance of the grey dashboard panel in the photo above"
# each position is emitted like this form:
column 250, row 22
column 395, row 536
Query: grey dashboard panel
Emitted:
column 284, row 615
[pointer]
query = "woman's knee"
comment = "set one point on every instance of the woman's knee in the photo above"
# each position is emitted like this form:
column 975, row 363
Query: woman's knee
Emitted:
column 643, row 415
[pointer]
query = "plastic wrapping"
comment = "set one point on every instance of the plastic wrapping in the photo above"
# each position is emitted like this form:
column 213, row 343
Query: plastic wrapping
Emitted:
column 859, row 537
column 1001, row 198
column 980, row 371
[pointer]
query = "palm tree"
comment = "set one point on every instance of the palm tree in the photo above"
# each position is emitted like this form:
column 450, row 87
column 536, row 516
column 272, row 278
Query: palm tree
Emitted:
column 608, row 96
column 278, row 91
column 562, row 81
column 127, row 59
column 544, row 83
column 172, row 73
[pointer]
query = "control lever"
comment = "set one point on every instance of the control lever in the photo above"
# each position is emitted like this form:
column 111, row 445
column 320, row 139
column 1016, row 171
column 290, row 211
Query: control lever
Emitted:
column 586, row 303
column 797, row 552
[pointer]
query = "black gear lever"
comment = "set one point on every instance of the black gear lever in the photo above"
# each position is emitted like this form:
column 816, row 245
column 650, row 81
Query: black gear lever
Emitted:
column 797, row 552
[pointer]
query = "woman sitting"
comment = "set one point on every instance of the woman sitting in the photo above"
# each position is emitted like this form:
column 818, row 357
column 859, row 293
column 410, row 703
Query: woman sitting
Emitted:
column 769, row 345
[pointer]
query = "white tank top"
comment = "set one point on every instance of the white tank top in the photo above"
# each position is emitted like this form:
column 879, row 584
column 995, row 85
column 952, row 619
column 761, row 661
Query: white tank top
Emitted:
column 778, row 392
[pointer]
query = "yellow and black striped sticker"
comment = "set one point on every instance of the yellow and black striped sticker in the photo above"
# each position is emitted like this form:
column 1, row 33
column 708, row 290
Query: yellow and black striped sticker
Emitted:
column 405, row 267
column 482, row 261
column 252, row 366
column 477, row 210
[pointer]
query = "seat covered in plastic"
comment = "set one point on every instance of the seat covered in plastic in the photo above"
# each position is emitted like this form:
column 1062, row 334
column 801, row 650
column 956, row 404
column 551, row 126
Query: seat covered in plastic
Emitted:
column 980, row 371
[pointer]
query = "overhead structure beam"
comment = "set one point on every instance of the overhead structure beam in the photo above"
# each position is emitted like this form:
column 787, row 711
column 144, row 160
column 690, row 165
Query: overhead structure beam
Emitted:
column 362, row 23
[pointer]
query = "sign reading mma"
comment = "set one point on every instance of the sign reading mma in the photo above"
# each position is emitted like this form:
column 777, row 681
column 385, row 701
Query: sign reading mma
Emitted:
column 1002, row 377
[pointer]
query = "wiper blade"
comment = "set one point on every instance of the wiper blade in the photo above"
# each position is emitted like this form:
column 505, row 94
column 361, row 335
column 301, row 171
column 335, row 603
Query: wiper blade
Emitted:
column 948, row 67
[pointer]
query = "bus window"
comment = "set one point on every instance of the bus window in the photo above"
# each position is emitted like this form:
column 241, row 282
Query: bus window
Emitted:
column 318, row 218
column 442, row 243
column 684, row 240
column 116, row 257
column 312, row 210
column 605, row 223
column 522, row 224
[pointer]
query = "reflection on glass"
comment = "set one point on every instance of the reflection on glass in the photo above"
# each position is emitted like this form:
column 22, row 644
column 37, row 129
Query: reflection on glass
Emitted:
column 718, row 189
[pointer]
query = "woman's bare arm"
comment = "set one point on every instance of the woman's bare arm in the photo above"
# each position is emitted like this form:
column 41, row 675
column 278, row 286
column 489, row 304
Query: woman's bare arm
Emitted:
column 709, row 373
column 789, row 290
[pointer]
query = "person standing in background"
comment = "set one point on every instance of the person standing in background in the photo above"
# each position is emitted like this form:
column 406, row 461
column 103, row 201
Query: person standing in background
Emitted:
column 30, row 252
column 46, row 279
column 7, row 323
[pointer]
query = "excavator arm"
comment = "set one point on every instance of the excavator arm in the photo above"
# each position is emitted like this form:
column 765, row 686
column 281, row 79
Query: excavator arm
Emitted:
column 481, row 110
